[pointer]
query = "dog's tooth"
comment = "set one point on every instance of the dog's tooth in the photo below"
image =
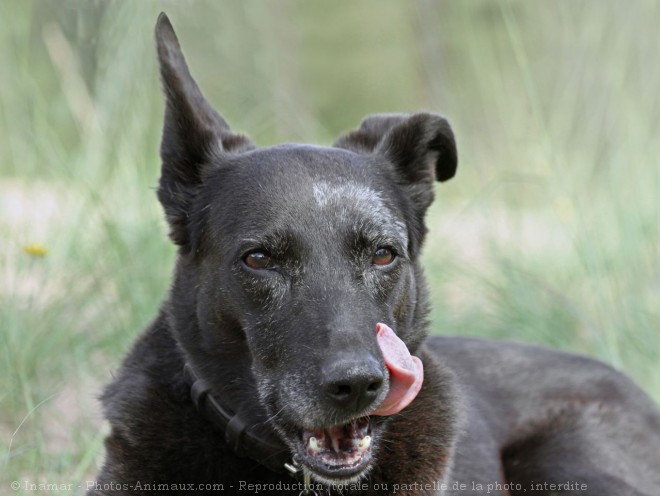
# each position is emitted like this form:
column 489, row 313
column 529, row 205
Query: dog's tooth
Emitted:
column 335, row 444
column 364, row 443
column 312, row 446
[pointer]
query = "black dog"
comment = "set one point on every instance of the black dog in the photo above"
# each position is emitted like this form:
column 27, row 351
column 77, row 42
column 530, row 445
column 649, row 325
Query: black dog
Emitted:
column 282, row 354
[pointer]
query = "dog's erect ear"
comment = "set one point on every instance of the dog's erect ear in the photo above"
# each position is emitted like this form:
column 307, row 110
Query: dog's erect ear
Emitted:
column 193, row 133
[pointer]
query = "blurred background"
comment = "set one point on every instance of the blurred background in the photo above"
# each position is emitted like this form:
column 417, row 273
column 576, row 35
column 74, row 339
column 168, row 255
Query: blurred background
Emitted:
column 548, row 234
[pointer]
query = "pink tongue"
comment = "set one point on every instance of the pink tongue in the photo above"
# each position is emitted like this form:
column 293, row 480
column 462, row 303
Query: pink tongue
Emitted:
column 406, row 372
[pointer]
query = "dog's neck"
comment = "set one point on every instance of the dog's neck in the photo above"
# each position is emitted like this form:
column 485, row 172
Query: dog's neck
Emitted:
column 247, row 439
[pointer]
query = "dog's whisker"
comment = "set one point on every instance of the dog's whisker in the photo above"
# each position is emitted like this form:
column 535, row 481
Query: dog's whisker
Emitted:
column 273, row 417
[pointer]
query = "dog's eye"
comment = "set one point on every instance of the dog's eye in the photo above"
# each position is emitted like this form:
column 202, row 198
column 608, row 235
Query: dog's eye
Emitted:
column 258, row 260
column 383, row 256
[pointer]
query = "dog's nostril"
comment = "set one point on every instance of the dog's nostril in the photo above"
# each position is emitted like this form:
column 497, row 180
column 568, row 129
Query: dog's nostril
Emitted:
column 374, row 386
column 341, row 391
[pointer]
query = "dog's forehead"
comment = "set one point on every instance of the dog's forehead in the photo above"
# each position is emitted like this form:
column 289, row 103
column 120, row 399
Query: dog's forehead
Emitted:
column 327, row 193
column 349, row 201
column 291, row 175
column 300, row 183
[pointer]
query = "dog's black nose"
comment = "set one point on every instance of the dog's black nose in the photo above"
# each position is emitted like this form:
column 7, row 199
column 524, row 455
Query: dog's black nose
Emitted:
column 352, row 384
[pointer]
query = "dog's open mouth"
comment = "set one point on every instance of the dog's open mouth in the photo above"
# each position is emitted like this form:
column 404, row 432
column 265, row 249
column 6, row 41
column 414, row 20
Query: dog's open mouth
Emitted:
column 340, row 452
column 343, row 452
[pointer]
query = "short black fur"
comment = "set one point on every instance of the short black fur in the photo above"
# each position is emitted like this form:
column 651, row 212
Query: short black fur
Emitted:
column 292, row 348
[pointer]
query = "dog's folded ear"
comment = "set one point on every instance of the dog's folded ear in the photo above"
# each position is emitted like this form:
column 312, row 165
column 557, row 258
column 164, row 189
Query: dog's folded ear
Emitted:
column 421, row 145
column 193, row 133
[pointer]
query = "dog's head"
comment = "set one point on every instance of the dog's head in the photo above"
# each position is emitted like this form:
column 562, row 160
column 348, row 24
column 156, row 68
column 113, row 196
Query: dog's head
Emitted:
column 289, row 257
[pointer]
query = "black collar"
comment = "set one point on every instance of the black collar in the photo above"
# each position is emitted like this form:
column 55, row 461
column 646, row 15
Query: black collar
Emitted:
column 239, row 434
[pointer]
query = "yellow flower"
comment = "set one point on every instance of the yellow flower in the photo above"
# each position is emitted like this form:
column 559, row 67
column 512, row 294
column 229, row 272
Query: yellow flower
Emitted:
column 35, row 250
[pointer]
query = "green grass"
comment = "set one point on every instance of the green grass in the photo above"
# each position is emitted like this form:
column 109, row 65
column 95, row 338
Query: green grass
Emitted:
column 548, row 234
